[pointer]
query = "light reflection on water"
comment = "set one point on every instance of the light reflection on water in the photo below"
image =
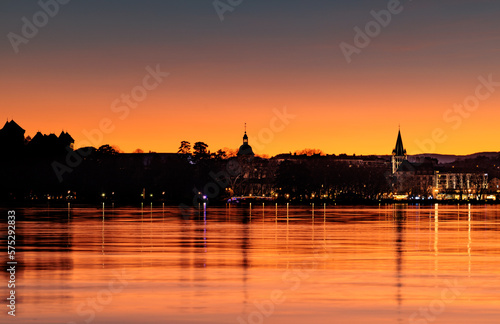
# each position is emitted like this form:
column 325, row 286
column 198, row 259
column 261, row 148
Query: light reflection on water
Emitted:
column 264, row 264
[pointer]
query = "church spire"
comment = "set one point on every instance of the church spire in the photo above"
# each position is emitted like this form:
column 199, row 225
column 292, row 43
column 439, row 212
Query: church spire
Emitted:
column 398, row 154
column 399, row 149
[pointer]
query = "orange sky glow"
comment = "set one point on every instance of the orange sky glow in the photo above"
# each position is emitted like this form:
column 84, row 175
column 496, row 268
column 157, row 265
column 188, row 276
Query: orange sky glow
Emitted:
column 411, row 75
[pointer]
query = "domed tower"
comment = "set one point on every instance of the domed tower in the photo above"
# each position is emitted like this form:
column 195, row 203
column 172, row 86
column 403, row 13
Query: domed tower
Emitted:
column 398, row 154
column 245, row 149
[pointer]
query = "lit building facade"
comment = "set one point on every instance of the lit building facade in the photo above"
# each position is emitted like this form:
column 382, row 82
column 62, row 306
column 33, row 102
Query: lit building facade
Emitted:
column 460, row 185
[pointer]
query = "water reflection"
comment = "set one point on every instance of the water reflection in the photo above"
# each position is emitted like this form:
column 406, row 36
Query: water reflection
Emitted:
column 399, row 217
column 436, row 237
column 469, row 242
column 345, row 264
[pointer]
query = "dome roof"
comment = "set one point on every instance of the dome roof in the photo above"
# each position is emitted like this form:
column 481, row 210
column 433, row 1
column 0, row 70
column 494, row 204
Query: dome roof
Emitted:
column 245, row 149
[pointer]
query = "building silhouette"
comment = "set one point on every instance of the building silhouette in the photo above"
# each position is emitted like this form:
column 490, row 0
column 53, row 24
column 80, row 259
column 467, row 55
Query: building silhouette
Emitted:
column 12, row 138
column 398, row 154
column 13, row 142
column 252, row 176
column 245, row 149
column 50, row 145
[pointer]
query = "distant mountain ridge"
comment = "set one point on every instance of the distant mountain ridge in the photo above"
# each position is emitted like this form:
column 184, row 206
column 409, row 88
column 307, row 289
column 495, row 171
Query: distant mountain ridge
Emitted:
column 449, row 158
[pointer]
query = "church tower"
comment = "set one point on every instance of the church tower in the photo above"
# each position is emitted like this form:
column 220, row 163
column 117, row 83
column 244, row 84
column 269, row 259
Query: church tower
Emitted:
column 398, row 154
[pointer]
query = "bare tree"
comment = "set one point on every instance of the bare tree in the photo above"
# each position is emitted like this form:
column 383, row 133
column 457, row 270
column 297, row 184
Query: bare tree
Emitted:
column 310, row 152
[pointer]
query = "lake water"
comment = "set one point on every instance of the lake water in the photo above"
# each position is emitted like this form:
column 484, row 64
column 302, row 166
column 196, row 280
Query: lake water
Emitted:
column 377, row 264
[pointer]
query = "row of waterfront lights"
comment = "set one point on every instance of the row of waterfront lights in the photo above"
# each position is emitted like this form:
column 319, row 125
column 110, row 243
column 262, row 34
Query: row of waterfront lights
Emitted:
column 72, row 195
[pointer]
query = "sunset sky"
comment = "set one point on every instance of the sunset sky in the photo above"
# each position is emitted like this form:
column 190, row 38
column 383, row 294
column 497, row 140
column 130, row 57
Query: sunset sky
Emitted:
column 264, row 56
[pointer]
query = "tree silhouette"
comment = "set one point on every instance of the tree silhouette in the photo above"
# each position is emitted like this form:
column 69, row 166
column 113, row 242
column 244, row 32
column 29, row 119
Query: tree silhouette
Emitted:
column 185, row 148
column 107, row 150
column 220, row 154
column 200, row 150
column 310, row 152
